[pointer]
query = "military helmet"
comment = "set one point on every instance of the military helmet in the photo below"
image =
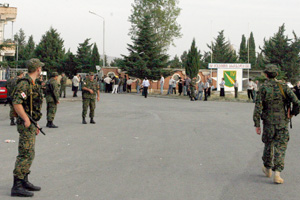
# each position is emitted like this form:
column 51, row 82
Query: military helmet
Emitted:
column 91, row 74
column 33, row 64
column 53, row 74
column 270, row 68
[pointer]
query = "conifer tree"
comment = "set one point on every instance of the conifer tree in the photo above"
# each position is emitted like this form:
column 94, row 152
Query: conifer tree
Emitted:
column 243, row 53
column 95, row 58
column 84, row 53
column 175, row 63
column 146, row 58
column 284, row 52
column 222, row 50
column 50, row 50
column 193, row 61
column 29, row 49
column 252, row 52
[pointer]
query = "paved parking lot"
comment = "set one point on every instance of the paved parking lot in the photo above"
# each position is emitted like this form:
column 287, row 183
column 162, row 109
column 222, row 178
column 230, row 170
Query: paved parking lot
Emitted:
column 151, row 149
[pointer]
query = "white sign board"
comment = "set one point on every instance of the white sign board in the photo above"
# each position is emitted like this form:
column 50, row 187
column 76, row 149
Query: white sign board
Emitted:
column 229, row 66
column 230, row 72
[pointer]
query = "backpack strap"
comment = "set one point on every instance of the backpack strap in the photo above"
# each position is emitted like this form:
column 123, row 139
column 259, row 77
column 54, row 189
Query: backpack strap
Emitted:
column 281, row 90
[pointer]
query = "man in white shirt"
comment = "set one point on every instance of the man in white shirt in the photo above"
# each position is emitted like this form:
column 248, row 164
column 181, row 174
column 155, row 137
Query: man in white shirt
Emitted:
column 236, row 88
column 170, row 86
column 107, row 81
column 162, row 81
column 145, row 85
column 255, row 89
column 222, row 88
column 129, row 83
column 75, row 82
column 250, row 89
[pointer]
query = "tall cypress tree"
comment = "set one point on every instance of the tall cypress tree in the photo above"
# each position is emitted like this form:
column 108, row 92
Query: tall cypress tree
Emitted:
column 193, row 61
column 146, row 57
column 252, row 53
column 243, row 53
column 95, row 58
column 29, row 49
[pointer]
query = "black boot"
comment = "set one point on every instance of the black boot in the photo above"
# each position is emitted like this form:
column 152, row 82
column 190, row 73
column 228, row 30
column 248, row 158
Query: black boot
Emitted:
column 92, row 121
column 18, row 191
column 51, row 125
column 48, row 124
column 83, row 120
column 12, row 121
column 29, row 186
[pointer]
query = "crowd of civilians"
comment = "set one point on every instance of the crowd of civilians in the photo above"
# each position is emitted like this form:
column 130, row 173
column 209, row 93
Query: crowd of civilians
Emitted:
column 203, row 89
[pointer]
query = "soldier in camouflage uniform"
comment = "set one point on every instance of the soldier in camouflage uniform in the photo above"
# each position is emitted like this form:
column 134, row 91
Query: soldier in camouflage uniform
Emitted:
column 270, row 106
column 27, row 100
column 52, row 99
column 89, row 89
column 63, row 83
column 192, row 89
column 10, row 89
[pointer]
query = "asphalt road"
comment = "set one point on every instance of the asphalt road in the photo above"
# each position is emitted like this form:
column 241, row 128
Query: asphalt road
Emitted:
column 151, row 149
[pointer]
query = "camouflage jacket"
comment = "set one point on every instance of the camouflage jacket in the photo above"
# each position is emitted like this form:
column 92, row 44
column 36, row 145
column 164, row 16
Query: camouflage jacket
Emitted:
column 270, row 103
column 52, row 88
column 22, row 96
column 90, row 85
column 63, row 81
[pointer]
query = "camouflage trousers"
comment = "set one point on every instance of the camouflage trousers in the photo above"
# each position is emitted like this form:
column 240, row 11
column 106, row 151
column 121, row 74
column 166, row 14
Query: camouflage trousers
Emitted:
column 88, row 103
column 62, row 90
column 192, row 92
column 26, row 150
column 275, row 138
column 12, row 112
column 51, row 110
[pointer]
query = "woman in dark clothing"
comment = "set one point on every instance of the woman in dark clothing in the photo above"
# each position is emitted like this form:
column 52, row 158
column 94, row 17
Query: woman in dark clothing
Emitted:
column 180, row 86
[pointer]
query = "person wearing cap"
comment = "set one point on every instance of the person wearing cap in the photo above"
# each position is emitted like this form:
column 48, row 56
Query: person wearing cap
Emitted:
column 116, row 81
column 89, row 90
column 270, row 108
column 27, row 101
column 63, row 84
column 52, row 99
column 11, row 84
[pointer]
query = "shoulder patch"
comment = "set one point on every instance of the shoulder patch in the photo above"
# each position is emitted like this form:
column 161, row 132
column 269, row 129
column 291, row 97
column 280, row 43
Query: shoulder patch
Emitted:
column 23, row 95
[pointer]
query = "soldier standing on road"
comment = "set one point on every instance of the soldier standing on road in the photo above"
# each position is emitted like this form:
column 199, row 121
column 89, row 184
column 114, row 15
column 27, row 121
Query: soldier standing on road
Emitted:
column 270, row 106
column 52, row 99
column 27, row 100
column 10, row 90
column 89, row 89
column 63, row 84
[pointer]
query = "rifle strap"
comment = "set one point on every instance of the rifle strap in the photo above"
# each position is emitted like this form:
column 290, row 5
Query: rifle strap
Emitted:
column 281, row 90
column 31, row 106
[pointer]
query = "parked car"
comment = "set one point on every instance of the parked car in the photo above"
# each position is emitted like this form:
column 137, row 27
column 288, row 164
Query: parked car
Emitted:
column 3, row 90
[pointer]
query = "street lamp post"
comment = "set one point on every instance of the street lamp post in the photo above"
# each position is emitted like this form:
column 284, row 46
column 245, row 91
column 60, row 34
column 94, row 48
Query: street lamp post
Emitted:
column 103, row 35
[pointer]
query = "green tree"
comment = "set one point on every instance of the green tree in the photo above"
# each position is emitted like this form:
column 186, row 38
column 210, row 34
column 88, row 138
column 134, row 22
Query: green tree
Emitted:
column 29, row 49
column 84, row 53
column 243, row 53
column 105, row 61
column 222, row 50
column 260, row 61
column 50, row 50
column 193, row 61
column 252, row 52
column 163, row 14
column 146, row 58
column 117, row 62
column 284, row 52
column 175, row 63
column 70, row 65
column 95, row 58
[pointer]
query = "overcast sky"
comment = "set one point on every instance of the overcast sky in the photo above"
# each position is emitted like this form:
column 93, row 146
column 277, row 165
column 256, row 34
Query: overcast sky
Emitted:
column 200, row 19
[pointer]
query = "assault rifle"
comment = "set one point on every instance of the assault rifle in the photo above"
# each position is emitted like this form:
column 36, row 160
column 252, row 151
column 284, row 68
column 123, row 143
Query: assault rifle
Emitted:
column 35, row 124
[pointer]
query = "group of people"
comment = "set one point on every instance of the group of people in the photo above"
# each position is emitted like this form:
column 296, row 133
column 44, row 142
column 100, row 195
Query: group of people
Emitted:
column 188, row 87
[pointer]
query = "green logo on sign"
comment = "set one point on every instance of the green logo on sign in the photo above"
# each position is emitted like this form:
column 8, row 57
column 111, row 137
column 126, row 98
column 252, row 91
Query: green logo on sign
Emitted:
column 229, row 77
